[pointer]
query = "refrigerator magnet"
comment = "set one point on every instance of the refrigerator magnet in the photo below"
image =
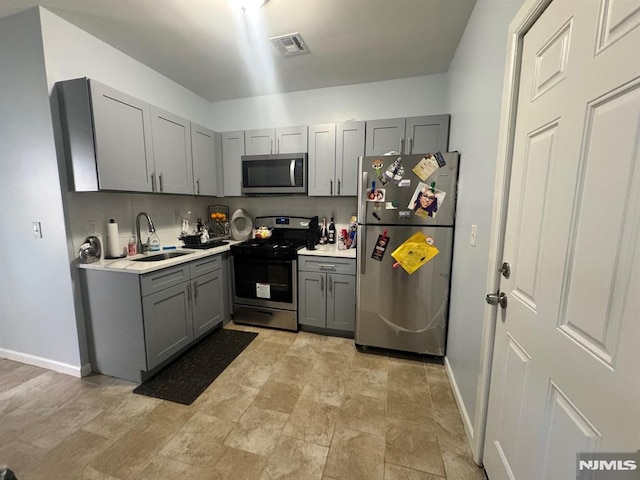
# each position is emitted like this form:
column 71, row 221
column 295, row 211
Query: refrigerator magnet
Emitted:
column 377, row 164
column 391, row 205
column 429, row 164
column 405, row 182
column 426, row 200
column 375, row 195
column 378, row 205
column 395, row 171
column 380, row 247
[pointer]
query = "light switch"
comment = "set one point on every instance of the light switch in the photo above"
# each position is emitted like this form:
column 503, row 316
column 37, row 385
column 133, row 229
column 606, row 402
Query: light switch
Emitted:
column 37, row 230
column 474, row 234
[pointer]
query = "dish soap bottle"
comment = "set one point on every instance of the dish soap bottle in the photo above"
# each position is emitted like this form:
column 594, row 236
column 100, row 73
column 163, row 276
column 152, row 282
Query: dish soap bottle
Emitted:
column 154, row 242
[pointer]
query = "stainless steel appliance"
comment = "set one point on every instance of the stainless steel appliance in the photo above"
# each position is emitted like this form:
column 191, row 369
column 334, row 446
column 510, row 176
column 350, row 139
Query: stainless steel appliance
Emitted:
column 395, row 309
column 274, row 174
column 265, row 290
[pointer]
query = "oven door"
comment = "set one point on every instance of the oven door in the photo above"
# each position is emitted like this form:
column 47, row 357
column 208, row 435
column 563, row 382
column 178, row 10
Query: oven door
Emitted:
column 265, row 282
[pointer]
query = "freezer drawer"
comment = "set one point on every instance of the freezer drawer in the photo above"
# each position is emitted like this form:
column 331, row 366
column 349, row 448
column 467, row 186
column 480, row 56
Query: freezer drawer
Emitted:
column 396, row 310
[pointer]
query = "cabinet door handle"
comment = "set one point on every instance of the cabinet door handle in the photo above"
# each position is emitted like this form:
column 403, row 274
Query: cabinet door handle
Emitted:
column 161, row 183
column 331, row 286
column 322, row 283
column 153, row 182
column 330, row 187
column 338, row 187
column 325, row 266
column 198, row 187
column 271, row 146
column 278, row 146
column 401, row 144
column 195, row 291
column 189, row 295
column 411, row 145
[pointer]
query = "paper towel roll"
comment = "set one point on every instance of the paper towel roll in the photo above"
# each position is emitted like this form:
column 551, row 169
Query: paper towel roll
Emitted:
column 113, row 240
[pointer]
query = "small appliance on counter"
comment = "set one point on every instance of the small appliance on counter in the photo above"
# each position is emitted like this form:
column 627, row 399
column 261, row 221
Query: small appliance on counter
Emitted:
column 313, row 234
column 90, row 250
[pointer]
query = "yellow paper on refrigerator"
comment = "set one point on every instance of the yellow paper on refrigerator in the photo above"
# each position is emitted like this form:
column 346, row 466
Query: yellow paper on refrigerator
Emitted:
column 414, row 252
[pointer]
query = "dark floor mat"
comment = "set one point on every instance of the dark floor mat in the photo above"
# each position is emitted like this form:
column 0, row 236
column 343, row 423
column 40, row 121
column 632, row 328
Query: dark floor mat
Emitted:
column 183, row 380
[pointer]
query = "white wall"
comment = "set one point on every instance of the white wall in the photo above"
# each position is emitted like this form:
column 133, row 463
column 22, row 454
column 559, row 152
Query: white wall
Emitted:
column 475, row 92
column 407, row 97
column 71, row 53
column 37, row 315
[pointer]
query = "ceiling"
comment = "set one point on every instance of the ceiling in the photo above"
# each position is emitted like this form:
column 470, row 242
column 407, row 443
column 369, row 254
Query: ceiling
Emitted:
column 220, row 53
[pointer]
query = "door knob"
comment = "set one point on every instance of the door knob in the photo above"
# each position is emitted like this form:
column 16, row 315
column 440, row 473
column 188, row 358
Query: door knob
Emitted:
column 497, row 299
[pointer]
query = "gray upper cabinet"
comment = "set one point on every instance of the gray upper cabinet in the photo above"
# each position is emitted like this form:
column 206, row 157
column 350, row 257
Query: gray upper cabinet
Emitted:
column 266, row 141
column 123, row 145
column 322, row 159
column 232, row 150
column 259, row 142
column 172, row 152
column 411, row 135
column 205, row 167
column 427, row 134
column 333, row 158
column 349, row 146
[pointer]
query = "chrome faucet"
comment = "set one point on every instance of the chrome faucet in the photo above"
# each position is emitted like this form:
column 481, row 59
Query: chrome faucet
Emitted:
column 143, row 247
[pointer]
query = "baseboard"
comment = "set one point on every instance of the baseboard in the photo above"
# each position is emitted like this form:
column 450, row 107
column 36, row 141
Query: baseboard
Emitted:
column 74, row 371
column 466, row 421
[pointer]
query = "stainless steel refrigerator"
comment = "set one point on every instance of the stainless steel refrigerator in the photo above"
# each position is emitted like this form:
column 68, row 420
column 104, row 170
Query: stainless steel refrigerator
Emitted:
column 396, row 195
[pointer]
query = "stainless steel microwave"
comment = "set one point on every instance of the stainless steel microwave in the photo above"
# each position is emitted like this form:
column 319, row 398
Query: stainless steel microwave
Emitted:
column 274, row 174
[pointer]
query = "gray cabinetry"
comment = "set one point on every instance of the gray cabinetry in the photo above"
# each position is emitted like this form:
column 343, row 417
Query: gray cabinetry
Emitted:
column 205, row 162
column 408, row 135
column 136, row 324
column 267, row 141
column 327, row 293
column 167, row 323
column 232, row 151
column 107, row 137
column 172, row 152
column 333, row 158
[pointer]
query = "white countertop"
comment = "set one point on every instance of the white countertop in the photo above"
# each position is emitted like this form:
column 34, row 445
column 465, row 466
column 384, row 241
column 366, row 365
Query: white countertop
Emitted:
column 329, row 251
column 128, row 265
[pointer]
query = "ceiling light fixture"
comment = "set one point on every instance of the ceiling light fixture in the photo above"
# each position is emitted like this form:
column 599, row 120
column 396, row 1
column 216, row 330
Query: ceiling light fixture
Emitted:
column 247, row 5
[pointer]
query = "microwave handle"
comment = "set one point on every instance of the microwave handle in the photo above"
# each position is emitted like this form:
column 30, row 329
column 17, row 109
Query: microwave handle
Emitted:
column 292, row 173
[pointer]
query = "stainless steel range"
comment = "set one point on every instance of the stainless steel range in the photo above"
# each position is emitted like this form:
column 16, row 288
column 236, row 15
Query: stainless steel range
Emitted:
column 265, row 290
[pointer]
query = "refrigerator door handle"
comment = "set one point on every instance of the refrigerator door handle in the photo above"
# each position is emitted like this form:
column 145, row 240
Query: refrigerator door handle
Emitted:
column 362, row 234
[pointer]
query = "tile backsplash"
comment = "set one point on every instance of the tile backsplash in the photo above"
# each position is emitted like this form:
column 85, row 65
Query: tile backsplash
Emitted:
column 94, row 209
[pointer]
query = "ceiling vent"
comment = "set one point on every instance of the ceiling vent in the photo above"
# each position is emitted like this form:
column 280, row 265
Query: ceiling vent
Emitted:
column 290, row 45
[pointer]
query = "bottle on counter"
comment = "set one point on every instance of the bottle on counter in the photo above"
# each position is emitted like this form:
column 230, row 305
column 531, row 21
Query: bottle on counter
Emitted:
column 132, row 246
column 332, row 232
column 341, row 244
column 324, row 234
column 154, row 242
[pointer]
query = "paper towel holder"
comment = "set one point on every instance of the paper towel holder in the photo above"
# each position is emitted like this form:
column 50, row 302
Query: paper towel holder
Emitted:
column 108, row 251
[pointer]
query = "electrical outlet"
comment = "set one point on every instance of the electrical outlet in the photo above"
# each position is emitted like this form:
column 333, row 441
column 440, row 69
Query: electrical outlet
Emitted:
column 474, row 235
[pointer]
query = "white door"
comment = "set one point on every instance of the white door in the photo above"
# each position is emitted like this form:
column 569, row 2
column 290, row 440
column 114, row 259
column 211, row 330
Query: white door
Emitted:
column 566, row 368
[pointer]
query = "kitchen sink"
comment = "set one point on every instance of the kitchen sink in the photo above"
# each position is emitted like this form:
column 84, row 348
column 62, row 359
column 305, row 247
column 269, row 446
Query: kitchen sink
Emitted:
column 158, row 257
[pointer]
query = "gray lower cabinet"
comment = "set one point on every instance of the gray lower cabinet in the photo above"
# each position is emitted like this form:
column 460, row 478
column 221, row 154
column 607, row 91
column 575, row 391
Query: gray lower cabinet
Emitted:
column 168, row 327
column 137, row 323
column 327, row 293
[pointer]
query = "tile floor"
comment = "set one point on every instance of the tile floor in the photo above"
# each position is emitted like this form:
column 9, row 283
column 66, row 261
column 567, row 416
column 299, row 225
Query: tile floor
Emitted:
column 291, row 406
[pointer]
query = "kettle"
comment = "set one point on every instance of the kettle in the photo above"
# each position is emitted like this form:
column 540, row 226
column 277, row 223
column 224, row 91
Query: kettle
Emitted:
column 90, row 250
